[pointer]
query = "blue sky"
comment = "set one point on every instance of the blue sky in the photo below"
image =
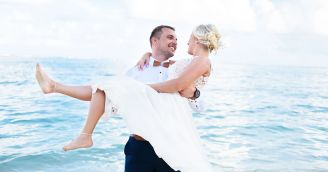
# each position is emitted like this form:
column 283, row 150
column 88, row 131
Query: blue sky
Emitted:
column 276, row 32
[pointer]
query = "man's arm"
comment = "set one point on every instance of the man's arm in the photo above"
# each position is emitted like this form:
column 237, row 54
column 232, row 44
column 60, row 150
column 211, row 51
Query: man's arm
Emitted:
column 188, row 92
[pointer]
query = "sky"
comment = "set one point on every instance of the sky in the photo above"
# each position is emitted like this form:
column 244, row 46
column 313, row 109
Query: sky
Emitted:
column 269, row 32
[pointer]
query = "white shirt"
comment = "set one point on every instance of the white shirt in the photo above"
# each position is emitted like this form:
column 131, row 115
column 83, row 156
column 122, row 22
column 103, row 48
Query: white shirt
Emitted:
column 150, row 74
column 154, row 74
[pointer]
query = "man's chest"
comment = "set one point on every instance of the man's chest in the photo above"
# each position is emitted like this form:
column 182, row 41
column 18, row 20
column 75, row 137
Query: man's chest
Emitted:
column 151, row 75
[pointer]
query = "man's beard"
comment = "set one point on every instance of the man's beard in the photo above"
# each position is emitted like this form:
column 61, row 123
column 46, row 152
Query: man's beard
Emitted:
column 167, row 54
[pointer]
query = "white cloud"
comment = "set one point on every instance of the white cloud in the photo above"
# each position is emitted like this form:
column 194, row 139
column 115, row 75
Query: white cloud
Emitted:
column 120, row 29
column 229, row 14
column 58, row 28
column 269, row 17
column 321, row 19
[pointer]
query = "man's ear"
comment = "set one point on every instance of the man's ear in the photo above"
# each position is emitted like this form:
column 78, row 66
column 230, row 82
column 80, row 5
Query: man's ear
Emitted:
column 154, row 41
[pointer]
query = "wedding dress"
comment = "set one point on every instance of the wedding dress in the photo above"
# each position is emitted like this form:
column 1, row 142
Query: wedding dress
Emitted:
column 163, row 119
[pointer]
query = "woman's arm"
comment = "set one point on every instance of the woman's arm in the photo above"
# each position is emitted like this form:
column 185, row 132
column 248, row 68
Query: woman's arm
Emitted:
column 197, row 67
column 144, row 61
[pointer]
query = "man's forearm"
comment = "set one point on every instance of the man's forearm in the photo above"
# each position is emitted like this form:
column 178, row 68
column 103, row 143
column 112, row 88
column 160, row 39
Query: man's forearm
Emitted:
column 188, row 92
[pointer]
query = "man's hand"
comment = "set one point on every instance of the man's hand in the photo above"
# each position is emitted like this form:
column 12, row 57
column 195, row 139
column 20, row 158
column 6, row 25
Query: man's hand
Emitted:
column 188, row 92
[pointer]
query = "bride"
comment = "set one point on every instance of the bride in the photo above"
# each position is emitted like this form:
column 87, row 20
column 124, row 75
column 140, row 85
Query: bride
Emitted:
column 166, row 124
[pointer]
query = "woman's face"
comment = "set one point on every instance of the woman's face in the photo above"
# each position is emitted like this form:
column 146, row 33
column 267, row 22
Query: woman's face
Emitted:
column 192, row 44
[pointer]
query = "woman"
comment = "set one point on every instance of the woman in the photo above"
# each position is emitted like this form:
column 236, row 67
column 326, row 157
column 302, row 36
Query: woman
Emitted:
column 166, row 124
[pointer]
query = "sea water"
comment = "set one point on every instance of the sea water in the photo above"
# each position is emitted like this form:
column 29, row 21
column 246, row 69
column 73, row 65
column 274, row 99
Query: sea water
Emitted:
column 257, row 118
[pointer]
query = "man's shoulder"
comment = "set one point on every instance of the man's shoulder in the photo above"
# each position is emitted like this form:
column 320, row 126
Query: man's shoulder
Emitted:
column 131, row 71
column 136, row 72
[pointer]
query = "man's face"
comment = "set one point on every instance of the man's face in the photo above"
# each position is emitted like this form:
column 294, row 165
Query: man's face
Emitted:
column 167, row 43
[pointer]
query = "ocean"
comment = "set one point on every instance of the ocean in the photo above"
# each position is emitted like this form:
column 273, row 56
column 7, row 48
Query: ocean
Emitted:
column 257, row 118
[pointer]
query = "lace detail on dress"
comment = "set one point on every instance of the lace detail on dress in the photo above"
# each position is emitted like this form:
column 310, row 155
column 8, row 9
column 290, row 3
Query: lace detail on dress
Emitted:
column 201, row 81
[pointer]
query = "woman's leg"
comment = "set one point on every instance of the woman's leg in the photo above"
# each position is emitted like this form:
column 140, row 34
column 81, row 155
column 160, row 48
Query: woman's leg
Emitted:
column 50, row 86
column 97, row 108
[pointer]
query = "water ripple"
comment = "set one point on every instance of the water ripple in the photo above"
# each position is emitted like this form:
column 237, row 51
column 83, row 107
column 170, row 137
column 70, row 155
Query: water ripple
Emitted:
column 258, row 118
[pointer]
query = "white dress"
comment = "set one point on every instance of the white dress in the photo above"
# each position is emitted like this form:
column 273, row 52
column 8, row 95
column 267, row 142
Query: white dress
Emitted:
column 163, row 119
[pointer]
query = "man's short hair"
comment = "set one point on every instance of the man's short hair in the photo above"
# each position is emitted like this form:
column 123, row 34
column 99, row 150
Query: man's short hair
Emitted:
column 157, row 32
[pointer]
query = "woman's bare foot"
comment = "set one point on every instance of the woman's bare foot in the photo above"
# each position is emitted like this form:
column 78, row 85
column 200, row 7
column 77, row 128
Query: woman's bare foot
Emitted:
column 47, row 85
column 84, row 140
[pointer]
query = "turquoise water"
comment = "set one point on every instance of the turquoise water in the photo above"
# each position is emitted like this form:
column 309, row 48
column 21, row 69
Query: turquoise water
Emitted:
column 258, row 118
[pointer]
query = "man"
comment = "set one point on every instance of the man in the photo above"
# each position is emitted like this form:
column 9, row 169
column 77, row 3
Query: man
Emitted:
column 140, row 155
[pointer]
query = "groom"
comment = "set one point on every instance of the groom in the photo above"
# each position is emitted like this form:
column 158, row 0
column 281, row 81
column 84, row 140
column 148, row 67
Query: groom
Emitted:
column 139, row 153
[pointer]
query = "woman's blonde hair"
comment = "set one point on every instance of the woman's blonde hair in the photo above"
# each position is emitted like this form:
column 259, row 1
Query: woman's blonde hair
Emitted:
column 208, row 35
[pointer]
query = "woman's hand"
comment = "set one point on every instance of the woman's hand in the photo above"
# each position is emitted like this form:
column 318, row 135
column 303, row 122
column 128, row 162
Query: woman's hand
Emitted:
column 144, row 61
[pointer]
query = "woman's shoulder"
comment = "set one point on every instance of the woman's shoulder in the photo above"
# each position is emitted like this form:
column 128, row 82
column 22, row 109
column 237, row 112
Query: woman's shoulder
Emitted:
column 189, row 59
column 199, row 58
column 205, row 62
column 182, row 61
column 202, row 61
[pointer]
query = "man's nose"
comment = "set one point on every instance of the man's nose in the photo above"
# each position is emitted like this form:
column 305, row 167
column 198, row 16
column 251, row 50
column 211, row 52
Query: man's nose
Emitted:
column 175, row 42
